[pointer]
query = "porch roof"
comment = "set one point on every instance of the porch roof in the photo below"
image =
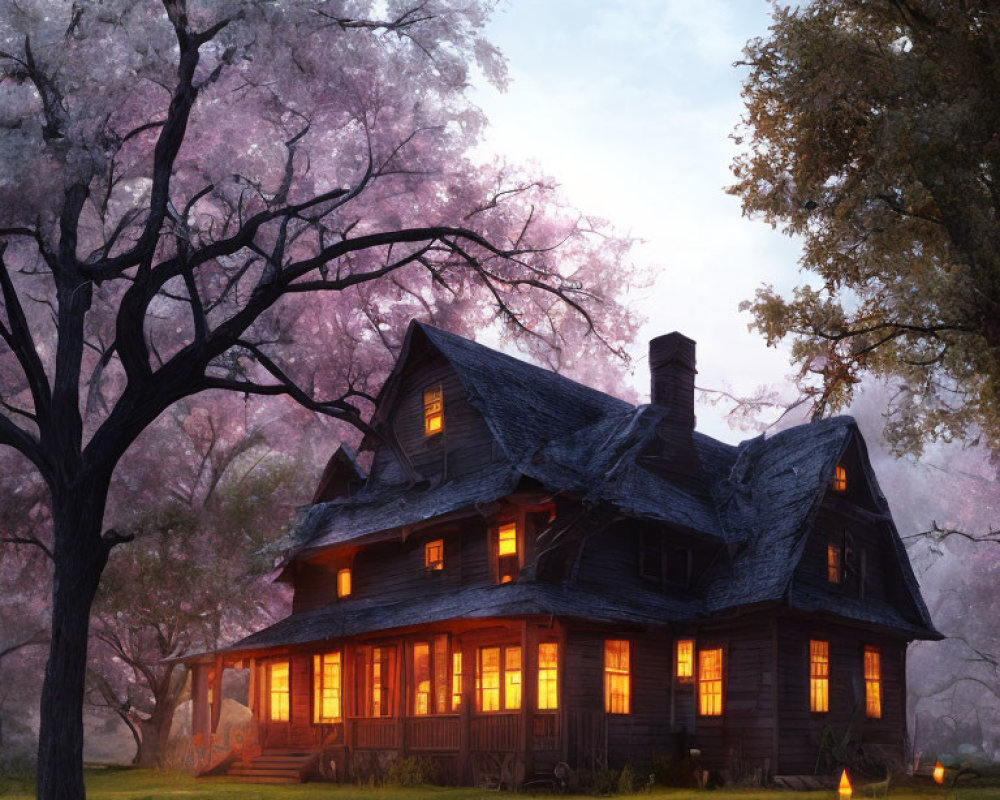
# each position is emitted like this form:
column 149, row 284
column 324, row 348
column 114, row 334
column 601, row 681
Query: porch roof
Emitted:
column 355, row 617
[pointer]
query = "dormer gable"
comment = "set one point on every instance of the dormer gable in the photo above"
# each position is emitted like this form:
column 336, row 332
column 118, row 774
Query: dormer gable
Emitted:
column 341, row 477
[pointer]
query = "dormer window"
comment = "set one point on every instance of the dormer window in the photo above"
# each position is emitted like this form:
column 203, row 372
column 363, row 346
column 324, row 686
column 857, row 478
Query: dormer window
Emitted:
column 434, row 555
column 839, row 479
column 507, row 556
column 343, row 582
column 433, row 410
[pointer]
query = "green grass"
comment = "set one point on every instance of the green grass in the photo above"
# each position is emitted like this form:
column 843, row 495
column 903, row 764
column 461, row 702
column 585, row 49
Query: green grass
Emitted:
column 134, row 784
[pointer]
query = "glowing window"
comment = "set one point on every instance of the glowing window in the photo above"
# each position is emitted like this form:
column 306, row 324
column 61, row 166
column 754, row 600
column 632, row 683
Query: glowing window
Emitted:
column 278, row 691
column 326, row 688
column 873, row 682
column 512, row 678
column 433, row 410
column 422, row 679
column 819, row 676
column 456, row 681
column 548, row 676
column 434, row 555
column 685, row 660
column 839, row 479
column 710, row 682
column 617, row 678
column 381, row 680
column 488, row 679
column 834, row 563
column 343, row 583
column 507, row 559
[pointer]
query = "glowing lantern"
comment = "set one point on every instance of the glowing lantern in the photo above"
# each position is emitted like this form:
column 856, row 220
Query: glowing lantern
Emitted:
column 845, row 787
column 938, row 773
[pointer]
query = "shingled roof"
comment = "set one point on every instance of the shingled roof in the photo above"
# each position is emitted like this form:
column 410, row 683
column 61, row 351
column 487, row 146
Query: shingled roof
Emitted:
column 757, row 501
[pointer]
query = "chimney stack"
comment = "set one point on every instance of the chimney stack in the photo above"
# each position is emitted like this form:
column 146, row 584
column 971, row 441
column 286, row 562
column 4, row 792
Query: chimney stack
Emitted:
column 671, row 372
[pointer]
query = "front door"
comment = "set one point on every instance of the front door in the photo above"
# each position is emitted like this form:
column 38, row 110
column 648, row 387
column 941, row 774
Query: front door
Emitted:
column 277, row 704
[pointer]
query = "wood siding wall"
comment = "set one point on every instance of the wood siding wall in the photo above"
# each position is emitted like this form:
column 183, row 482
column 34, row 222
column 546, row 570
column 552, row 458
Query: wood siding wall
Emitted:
column 801, row 731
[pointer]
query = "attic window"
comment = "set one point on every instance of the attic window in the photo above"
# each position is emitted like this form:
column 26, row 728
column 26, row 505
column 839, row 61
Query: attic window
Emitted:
column 343, row 582
column 507, row 556
column 433, row 410
column 839, row 479
column 434, row 555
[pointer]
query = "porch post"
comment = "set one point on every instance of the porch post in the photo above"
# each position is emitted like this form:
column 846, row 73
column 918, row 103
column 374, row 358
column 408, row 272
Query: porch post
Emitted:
column 217, row 694
column 528, row 683
column 199, row 703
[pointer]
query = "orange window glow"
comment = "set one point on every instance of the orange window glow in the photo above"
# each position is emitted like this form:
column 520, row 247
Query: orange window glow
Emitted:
column 421, row 679
column 873, row 682
column 343, row 582
column 456, row 681
column 488, row 679
column 326, row 688
column 617, row 677
column 819, row 676
column 507, row 540
column 710, row 682
column 685, row 660
column 433, row 410
column 833, row 563
column 278, row 691
column 548, row 676
column 434, row 555
column 840, row 479
column 512, row 678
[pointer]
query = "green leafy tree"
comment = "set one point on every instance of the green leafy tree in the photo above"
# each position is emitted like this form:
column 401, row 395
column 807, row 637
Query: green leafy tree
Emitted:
column 873, row 132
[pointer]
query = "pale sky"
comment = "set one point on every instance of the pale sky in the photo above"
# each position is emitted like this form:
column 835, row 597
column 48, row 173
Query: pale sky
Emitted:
column 629, row 105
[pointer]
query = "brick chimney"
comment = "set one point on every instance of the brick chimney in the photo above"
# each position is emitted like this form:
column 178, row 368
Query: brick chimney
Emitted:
column 671, row 372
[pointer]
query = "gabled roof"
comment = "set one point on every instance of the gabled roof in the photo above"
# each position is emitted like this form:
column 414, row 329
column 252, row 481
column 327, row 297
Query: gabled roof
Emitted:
column 757, row 501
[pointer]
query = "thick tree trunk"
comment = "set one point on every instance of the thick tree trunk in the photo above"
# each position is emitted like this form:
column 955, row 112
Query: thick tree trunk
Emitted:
column 155, row 735
column 80, row 555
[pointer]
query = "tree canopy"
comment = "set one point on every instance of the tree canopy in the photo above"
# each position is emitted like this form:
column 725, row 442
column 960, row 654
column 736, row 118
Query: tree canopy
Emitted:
column 246, row 196
column 872, row 131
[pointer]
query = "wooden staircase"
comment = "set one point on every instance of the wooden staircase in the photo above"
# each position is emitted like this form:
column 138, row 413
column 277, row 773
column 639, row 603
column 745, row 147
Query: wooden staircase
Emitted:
column 278, row 765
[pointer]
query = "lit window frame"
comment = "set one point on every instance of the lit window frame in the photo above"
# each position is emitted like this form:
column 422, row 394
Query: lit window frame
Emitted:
column 548, row 676
column 819, row 676
column 684, row 660
column 328, row 676
column 617, row 676
column 434, row 555
column 433, row 398
column 872, row 665
column 506, row 683
column 508, row 551
column 840, row 478
column 711, row 684
column 345, row 583
column 279, row 698
column 456, row 680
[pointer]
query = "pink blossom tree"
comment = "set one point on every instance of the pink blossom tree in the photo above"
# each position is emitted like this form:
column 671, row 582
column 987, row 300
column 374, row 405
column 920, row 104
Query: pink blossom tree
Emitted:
column 202, row 195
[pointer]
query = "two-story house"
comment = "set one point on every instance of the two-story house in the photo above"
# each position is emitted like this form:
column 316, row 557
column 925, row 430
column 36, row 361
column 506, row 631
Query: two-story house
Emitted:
column 536, row 572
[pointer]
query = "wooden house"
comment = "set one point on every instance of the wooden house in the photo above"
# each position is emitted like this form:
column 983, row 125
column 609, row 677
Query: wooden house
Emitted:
column 536, row 572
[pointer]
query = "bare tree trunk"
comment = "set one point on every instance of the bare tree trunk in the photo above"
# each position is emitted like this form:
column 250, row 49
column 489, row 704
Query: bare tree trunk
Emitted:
column 80, row 555
column 156, row 735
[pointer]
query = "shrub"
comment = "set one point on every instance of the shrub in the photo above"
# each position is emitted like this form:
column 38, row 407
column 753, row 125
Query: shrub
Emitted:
column 626, row 781
column 412, row 771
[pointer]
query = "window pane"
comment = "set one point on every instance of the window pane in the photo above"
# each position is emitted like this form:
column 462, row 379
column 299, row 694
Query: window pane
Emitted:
column 488, row 679
column 278, row 691
column 710, row 682
column 873, row 682
column 617, row 688
column 512, row 678
column 685, row 659
column 434, row 555
column 433, row 410
column 548, row 676
column 840, row 479
column 819, row 676
column 833, row 569
column 343, row 583
column 422, row 679
column 456, row 681
column 507, row 541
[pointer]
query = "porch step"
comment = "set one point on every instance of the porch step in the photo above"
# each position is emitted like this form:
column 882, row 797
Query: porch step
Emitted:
column 276, row 766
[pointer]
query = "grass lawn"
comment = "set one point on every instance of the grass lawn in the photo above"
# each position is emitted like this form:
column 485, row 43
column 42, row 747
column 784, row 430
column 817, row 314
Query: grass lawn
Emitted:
column 134, row 784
